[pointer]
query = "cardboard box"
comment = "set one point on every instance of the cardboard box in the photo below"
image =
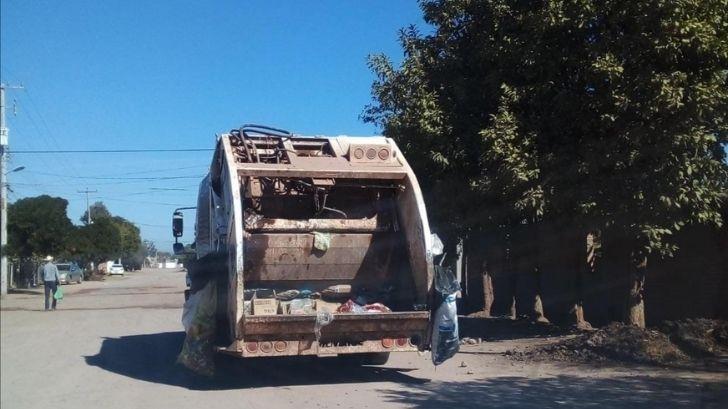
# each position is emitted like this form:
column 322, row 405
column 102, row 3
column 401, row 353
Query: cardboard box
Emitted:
column 265, row 306
column 331, row 307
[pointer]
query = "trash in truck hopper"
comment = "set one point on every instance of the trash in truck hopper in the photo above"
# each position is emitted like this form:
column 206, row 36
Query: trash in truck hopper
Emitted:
column 352, row 307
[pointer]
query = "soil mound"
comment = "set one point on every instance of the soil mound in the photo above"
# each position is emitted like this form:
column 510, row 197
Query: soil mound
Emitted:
column 673, row 343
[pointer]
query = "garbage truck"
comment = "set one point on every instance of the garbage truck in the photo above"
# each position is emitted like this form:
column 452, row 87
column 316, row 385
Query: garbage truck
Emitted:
column 316, row 245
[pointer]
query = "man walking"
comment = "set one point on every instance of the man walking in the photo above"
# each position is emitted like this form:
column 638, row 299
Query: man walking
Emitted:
column 50, row 276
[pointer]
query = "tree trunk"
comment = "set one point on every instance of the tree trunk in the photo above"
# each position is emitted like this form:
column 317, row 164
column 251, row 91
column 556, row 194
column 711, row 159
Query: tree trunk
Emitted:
column 584, row 262
column 512, row 314
column 577, row 314
column 488, row 294
column 538, row 314
column 636, row 300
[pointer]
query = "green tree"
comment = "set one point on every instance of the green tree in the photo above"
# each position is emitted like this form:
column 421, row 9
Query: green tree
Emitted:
column 131, row 240
column 38, row 226
column 99, row 241
column 98, row 210
column 602, row 115
column 150, row 249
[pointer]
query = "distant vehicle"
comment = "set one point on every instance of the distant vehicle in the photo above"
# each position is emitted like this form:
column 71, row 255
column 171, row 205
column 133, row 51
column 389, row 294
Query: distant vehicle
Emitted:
column 69, row 273
column 116, row 269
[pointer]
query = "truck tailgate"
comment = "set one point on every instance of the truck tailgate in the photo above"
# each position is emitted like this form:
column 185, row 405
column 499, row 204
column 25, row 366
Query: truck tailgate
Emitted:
column 369, row 326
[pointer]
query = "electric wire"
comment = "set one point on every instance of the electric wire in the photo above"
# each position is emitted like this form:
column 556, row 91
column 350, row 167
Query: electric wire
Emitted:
column 22, row 152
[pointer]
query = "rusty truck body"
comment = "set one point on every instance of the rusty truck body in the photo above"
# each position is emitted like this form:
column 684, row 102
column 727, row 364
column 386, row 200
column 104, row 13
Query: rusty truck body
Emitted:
column 269, row 194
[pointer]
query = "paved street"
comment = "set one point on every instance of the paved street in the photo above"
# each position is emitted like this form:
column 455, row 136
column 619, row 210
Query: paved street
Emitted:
column 113, row 344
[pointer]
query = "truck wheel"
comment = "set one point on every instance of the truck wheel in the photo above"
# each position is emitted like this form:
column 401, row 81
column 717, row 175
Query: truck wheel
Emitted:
column 375, row 358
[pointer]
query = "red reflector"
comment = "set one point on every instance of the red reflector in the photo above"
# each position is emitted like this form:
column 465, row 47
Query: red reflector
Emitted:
column 280, row 346
column 387, row 342
column 266, row 347
column 401, row 342
column 251, row 347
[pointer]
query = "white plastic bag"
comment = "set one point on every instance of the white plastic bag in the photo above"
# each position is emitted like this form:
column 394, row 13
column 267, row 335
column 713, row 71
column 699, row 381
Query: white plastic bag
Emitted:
column 437, row 246
column 191, row 307
column 198, row 318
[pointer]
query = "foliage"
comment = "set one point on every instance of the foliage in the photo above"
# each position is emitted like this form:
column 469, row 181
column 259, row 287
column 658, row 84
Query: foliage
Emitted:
column 38, row 226
column 98, row 210
column 610, row 114
column 99, row 241
column 150, row 250
column 131, row 241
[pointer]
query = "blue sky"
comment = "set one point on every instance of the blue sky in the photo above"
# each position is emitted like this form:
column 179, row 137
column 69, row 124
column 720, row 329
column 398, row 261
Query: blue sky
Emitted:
column 170, row 74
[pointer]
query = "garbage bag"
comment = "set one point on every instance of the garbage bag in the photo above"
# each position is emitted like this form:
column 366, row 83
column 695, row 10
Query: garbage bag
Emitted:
column 58, row 295
column 445, row 337
column 446, row 282
column 437, row 246
column 198, row 319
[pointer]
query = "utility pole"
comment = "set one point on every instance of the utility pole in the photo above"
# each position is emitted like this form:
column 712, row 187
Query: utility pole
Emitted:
column 88, row 208
column 3, row 192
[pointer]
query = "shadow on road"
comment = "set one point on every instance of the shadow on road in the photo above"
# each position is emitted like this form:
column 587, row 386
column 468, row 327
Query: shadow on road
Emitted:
column 151, row 358
column 29, row 291
column 501, row 329
column 564, row 392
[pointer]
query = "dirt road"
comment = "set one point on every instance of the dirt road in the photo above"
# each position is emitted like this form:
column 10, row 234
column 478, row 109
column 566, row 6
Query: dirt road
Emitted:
column 113, row 344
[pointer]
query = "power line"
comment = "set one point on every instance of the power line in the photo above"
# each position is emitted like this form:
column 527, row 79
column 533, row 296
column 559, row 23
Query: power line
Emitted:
column 48, row 132
column 112, row 151
column 122, row 178
column 152, row 225
column 41, row 134
column 161, row 170
column 141, row 202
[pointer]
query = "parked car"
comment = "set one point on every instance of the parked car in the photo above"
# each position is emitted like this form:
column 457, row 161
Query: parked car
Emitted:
column 116, row 269
column 69, row 273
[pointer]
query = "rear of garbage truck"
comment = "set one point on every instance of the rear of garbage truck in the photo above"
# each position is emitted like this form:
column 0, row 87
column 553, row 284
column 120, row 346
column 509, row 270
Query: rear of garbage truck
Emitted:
column 324, row 243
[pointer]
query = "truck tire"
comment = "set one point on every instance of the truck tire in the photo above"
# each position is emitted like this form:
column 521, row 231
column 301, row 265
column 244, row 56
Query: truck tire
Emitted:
column 375, row 358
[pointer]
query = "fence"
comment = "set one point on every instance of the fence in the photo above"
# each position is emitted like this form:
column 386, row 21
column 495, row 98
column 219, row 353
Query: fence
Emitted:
column 550, row 261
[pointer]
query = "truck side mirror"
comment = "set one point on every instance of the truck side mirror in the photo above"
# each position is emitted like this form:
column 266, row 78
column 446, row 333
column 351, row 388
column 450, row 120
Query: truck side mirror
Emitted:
column 178, row 248
column 177, row 224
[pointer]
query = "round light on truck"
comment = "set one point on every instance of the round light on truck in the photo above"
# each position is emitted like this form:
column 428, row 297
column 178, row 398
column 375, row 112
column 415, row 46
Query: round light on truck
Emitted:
column 371, row 153
column 266, row 347
column 251, row 347
column 280, row 346
column 402, row 342
column 384, row 154
column 387, row 342
column 358, row 153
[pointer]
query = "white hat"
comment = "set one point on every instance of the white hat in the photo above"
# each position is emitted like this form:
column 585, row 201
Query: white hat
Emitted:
column 49, row 258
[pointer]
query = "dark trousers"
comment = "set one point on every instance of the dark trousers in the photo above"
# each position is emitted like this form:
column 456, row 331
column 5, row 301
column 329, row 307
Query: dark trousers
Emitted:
column 50, row 288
